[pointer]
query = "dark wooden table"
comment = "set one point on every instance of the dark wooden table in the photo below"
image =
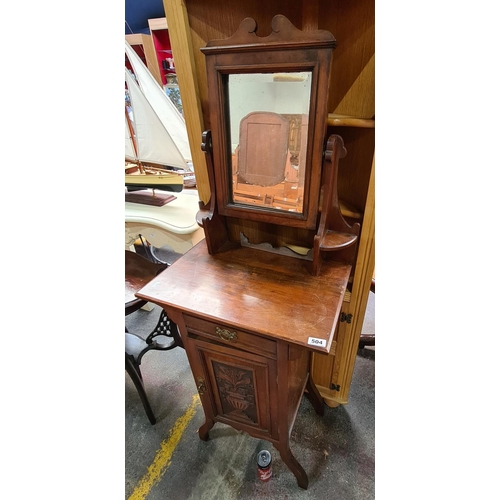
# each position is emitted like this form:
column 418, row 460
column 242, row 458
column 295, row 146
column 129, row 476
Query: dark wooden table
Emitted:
column 249, row 320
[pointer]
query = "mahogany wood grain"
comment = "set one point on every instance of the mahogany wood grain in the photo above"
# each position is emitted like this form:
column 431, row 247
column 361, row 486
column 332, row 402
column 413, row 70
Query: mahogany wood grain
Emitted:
column 248, row 289
column 240, row 339
column 285, row 49
column 214, row 225
column 228, row 299
column 259, row 422
column 334, row 234
column 245, row 318
column 274, row 234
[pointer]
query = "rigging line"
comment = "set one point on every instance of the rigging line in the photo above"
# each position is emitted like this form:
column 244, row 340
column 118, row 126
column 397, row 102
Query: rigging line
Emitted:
column 128, row 25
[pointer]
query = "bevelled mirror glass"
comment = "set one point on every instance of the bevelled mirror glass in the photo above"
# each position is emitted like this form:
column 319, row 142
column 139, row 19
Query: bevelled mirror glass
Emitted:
column 268, row 115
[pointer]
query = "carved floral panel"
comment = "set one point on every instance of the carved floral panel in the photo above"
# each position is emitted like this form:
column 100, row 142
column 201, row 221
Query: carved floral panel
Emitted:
column 237, row 392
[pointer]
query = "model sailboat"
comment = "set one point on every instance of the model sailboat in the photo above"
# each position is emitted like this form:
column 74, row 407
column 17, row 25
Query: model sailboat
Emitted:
column 157, row 153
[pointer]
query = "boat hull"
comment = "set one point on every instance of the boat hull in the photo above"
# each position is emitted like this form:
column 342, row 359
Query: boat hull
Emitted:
column 172, row 183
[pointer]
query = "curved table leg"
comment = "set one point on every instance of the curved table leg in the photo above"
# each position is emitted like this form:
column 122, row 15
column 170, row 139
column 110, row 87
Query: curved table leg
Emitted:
column 135, row 375
column 314, row 396
column 293, row 465
column 203, row 430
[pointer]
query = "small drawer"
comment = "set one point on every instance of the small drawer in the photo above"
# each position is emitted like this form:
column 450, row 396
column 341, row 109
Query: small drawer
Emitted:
column 231, row 337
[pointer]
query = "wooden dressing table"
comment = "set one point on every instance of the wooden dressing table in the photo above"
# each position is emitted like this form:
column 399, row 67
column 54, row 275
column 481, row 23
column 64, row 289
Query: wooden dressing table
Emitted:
column 249, row 309
column 248, row 320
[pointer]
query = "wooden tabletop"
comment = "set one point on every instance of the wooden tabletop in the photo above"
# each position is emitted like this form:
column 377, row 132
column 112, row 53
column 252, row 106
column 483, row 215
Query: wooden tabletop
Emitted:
column 258, row 291
column 138, row 272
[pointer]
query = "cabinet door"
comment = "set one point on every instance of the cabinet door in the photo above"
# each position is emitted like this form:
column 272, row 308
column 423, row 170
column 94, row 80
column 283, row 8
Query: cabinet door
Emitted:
column 241, row 387
column 325, row 368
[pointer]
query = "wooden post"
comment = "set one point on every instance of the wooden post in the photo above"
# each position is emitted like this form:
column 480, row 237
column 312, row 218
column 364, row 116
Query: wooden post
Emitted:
column 180, row 39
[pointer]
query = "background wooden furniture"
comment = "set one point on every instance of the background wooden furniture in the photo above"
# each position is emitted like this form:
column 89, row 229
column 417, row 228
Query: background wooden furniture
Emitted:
column 173, row 224
column 144, row 47
column 165, row 59
column 351, row 106
column 163, row 49
column 156, row 53
column 264, row 175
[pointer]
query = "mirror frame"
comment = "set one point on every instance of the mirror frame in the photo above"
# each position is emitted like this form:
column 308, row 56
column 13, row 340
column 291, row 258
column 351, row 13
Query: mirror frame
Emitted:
column 286, row 49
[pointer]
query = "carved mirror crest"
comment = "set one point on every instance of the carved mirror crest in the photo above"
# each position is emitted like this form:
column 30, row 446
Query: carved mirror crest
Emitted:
column 268, row 99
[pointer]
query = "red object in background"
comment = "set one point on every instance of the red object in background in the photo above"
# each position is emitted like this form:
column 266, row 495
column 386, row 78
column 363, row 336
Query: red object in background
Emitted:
column 163, row 49
column 264, row 465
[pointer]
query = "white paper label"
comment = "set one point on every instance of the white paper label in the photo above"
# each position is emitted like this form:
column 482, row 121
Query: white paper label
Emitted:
column 317, row 342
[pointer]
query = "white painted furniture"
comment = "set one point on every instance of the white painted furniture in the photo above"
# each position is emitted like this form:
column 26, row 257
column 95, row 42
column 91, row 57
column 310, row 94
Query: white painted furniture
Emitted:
column 173, row 224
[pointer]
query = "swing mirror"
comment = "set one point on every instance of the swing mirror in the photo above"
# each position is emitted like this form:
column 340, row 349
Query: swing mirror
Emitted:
column 268, row 113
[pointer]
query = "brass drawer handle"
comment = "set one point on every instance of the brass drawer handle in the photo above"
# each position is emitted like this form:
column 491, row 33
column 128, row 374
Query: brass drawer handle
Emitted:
column 200, row 386
column 226, row 335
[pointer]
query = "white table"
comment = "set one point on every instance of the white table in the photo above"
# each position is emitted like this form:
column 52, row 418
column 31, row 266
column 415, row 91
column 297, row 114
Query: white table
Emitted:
column 174, row 224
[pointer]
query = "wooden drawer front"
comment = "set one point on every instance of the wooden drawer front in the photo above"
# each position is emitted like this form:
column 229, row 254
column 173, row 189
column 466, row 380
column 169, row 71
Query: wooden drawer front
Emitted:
column 231, row 337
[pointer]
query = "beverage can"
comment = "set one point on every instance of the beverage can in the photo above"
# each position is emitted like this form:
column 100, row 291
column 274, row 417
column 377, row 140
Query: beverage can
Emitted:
column 264, row 465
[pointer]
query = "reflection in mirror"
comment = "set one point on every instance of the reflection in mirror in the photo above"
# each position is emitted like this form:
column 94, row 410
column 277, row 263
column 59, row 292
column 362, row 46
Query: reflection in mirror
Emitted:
column 269, row 115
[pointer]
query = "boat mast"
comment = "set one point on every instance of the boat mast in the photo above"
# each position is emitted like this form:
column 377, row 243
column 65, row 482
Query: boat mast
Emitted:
column 132, row 136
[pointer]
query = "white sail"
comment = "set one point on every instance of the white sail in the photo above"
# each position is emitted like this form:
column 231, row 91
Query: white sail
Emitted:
column 153, row 141
column 164, row 108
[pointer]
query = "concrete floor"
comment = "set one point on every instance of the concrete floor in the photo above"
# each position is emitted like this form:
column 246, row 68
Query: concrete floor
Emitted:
column 169, row 461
